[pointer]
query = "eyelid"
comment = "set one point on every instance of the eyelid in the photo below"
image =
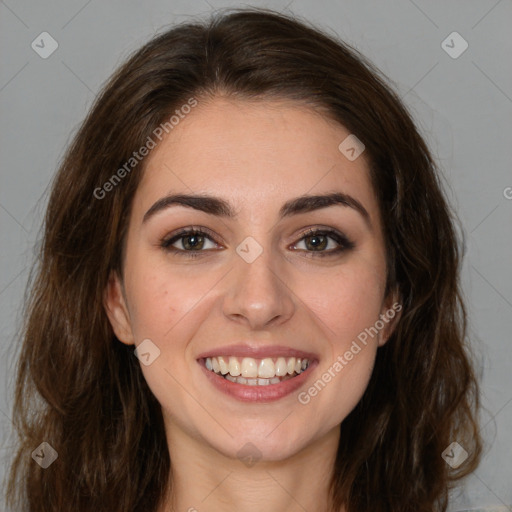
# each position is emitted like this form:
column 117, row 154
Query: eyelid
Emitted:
column 344, row 242
column 190, row 230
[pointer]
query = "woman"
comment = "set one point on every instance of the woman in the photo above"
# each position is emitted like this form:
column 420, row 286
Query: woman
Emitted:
column 248, row 293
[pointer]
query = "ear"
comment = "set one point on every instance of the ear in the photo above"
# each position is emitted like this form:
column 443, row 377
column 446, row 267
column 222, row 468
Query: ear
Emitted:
column 116, row 309
column 390, row 315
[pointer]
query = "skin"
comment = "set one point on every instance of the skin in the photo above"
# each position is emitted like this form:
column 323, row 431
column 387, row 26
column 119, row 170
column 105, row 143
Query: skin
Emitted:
column 256, row 155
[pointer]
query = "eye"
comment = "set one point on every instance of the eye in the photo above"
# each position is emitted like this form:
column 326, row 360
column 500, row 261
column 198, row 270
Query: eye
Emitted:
column 317, row 240
column 189, row 242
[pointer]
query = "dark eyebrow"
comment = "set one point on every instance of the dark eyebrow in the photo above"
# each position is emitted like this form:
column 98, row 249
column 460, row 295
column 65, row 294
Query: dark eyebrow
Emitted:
column 221, row 208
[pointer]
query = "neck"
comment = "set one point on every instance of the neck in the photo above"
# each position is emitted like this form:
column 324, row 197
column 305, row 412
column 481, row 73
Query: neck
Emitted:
column 205, row 479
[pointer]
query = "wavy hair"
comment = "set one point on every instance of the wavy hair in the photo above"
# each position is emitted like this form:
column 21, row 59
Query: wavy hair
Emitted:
column 83, row 392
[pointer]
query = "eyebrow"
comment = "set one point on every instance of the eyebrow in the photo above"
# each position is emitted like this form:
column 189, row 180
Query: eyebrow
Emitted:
column 221, row 208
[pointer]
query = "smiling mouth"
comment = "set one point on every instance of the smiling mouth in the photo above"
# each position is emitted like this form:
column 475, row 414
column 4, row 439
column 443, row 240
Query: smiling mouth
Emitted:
column 256, row 372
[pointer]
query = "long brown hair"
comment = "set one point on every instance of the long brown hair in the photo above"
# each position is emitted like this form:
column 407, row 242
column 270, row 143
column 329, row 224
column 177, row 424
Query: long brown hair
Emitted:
column 83, row 392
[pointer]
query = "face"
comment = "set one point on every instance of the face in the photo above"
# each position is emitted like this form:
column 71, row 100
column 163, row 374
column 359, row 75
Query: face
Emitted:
column 263, row 321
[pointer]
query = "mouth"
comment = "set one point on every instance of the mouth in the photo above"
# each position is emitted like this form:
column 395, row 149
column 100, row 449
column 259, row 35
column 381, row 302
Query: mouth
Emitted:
column 257, row 375
column 250, row 371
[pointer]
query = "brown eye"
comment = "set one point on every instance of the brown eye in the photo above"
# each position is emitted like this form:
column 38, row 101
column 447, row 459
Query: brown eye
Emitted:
column 188, row 242
column 193, row 241
column 316, row 241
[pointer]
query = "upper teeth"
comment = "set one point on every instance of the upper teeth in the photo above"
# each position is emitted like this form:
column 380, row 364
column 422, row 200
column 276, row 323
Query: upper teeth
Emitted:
column 251, row 368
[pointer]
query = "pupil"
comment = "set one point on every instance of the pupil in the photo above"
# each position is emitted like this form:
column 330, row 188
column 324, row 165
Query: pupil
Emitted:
column 318, row 243
column 196, row 240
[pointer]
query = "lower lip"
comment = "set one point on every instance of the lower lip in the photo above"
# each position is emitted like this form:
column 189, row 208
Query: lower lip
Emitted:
column 260, row 394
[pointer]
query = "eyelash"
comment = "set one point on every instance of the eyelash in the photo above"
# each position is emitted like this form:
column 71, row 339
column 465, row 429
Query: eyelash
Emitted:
column 344, row 243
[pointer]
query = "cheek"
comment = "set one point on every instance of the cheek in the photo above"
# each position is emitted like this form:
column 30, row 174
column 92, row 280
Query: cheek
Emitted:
column 349, row 304
column 346, row 302
column 166, row 309
column 160, row 299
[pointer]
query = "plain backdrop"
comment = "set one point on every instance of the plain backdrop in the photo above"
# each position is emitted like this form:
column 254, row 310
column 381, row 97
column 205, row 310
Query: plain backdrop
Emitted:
column 461, row 101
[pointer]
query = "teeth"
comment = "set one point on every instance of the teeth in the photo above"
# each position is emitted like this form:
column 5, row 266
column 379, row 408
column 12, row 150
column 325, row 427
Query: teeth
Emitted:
column 266, row 368
column 255, row 382
column 249, row 367
column 256, row 372
column 281, row 367
column 224, row 368
column 234, row 367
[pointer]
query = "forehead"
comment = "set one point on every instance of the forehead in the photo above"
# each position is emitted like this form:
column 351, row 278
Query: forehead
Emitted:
column 265, row 151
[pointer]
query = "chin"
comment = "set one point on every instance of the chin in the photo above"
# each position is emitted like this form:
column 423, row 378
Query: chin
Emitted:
column 263, row 443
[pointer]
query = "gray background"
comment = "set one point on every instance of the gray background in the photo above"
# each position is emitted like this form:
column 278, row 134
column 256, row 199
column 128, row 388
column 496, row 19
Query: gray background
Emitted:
column 462, row 105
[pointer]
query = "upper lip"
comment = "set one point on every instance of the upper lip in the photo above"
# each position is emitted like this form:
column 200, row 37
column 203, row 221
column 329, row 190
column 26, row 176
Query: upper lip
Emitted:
column 257, row 352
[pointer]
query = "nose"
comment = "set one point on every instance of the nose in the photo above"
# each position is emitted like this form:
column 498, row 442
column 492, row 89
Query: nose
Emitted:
column 258, row 294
